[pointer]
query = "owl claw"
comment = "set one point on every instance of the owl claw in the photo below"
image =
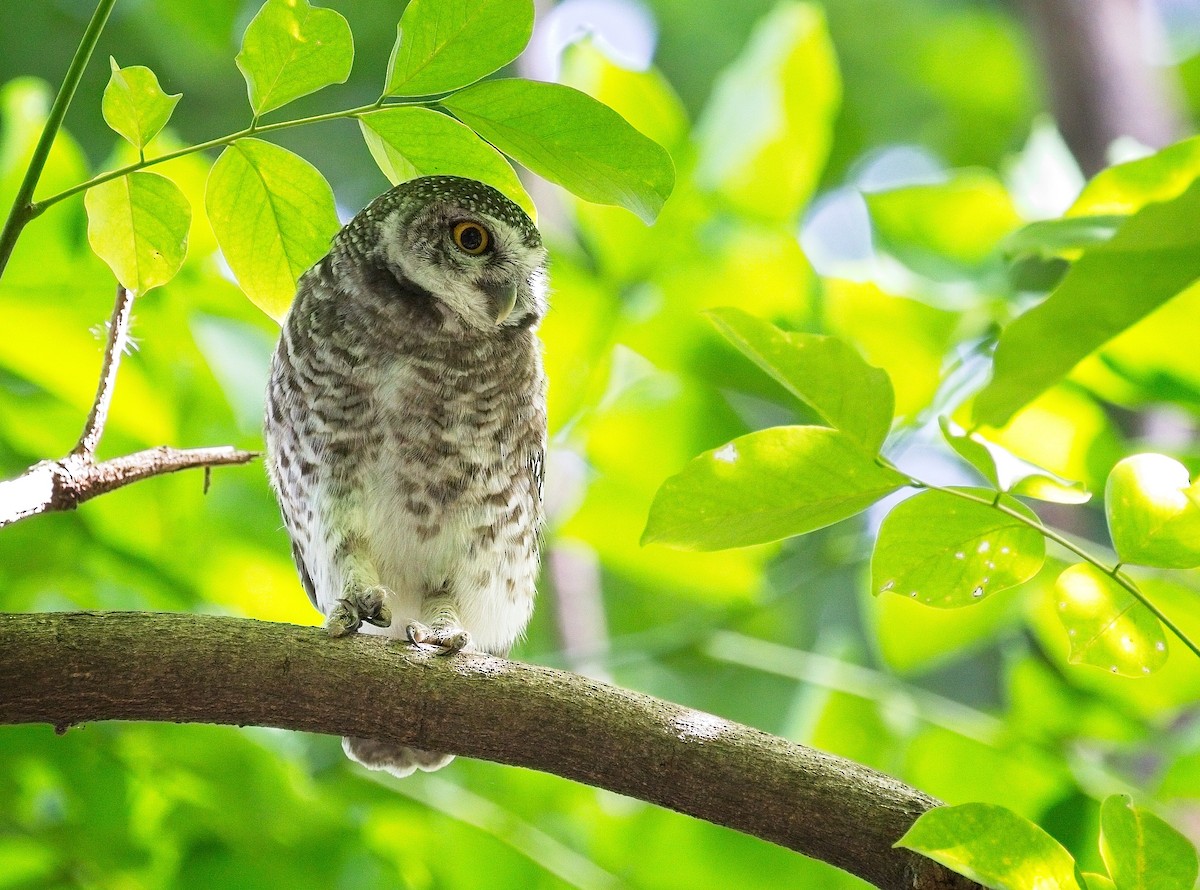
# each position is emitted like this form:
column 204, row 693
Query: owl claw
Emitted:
column 447, row 638
column 358, row 607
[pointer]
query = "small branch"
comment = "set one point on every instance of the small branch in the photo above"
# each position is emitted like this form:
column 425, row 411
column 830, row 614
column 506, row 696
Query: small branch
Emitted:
column 118, row 336
column 66, row 669
column 57, row 485
column 219, row 142
column 22, row 208
column 1100, row 85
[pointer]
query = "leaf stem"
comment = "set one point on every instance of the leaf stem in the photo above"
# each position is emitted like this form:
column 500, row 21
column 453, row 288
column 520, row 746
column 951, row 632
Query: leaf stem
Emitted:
column 252, row 130
column 23, row 207
column 1066, row 543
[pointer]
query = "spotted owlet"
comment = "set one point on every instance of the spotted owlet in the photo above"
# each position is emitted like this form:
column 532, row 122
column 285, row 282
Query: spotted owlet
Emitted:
column 406, row 425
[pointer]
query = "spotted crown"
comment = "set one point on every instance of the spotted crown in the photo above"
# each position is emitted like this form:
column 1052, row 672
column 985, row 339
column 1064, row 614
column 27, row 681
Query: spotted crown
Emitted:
column 470, row 194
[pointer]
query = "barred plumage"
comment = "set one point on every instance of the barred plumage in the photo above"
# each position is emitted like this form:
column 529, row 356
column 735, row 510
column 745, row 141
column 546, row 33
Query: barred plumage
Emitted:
column 406, row 425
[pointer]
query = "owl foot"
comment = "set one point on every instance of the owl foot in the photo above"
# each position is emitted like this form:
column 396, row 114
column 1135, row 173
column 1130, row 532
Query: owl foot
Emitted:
column 358, row 607
column 448, row 638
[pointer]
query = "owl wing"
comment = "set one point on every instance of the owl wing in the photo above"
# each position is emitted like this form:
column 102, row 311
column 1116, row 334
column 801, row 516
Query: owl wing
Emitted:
column 537, row 470
column 305, row 578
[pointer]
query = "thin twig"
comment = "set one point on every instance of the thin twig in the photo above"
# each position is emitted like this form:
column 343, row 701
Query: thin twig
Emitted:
column 118, row 336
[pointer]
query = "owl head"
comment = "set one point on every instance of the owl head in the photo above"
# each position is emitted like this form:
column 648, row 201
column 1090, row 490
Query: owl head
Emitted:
column 462, row 243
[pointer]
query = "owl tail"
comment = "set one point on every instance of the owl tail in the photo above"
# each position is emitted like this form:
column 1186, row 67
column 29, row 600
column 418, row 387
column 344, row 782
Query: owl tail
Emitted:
column 395, row 759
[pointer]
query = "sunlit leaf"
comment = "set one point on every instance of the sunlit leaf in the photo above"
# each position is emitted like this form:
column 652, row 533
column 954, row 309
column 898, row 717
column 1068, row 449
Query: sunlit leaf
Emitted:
column 644, row 98
column 1044, row 487
column 1126, row 188
column 961, row 220
column 994, row 846
column 291, row 49
column 825, row 373
column 138, row 224
column 765, row 486
column 1093, row 881
column 1010, row 473
column 972, row 451
column 442, row 45
column 135, row 105
column 414, row 141
column 765, row 135
column 1153, row 257
column 1152, row 520
column 945, row 551
column 571, row 139
column 273, row 215
column 1107, row 627
column 1141, row 851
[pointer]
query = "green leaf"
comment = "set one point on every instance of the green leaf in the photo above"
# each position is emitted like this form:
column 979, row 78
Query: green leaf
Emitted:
column 1152, row 520
column 138, row 224
column 442, row 45
column 994, row 846
column 571, row 139
column 765, row 486
column 1065, row 237
column 273, row 215
column 1141, row 851
column 972, row 451
column 766, row 133
column 291, row 49
column 1045, row 487
column 1095, row 881
column 1017, row 478
column 134, row 105
column 825, row 373
column 1107, row 627
column 414, row 141
column 1153, row 257
column 947, row 552
column 962, row 220
column 1126, row 188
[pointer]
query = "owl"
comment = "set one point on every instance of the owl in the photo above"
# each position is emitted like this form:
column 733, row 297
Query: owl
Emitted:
column 406, row 426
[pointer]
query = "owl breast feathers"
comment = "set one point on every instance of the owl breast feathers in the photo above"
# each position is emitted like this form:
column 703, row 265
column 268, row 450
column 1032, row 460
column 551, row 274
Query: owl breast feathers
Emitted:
column 406, row 424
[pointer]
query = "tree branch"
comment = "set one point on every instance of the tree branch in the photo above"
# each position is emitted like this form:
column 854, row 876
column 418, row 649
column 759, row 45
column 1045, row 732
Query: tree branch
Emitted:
column 69, row 668
column 1100, row 85
column 54, row 485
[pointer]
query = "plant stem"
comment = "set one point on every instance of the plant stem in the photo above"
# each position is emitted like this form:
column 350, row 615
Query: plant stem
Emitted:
column 252, row 130
column 118, row 337
column 1067, row 544
column 23, row 208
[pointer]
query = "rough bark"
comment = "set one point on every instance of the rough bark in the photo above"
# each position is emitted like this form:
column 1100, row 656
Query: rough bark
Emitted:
column 1099, row 84
column 70, row 668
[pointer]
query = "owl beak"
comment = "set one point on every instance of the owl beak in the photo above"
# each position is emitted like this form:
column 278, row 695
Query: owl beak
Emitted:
column 502, row 297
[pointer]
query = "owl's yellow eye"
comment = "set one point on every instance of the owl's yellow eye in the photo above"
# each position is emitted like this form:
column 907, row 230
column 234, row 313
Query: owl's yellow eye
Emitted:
column 472, row 238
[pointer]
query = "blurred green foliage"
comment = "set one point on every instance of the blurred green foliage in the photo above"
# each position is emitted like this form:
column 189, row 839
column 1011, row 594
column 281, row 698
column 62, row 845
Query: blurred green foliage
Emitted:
column 979, row 704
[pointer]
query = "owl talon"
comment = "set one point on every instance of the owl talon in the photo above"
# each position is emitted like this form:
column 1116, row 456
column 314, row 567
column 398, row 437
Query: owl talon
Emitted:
column 352, row 611
column 343, row 620
column 449, row 639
